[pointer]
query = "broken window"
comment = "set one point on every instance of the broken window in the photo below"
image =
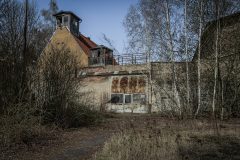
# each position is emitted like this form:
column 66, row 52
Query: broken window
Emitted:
column 117, row 98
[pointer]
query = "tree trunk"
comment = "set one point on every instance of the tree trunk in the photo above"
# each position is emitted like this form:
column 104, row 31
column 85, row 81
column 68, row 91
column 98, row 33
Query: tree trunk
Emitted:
column 199, row 58
column 174, row 86
column 24, row 54
column 186, row 54
column 216, row 69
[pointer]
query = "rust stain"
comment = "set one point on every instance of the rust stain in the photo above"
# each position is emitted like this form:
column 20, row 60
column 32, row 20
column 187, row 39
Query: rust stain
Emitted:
column 133, row 85
column 115, row 85
column 141, row 85
column 124, row 85
column 130, row 84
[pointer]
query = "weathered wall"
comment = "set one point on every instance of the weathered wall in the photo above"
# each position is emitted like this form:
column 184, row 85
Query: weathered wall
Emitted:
column 62, row 37
column 102, row 83
column 116, row 88
column 163, row 97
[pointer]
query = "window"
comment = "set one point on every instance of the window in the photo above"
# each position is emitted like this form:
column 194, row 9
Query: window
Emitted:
column 65, row 20
column 75, row 24
column 139, row 98
column 117, row 98
column 59, row 21
column 128, row 98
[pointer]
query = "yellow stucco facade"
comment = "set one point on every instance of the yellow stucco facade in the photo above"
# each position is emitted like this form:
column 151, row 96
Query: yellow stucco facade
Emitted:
column 63, row 37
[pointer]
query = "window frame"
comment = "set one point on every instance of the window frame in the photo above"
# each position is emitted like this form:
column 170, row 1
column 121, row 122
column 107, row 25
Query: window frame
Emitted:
column 130, row 98
column 65, row 22
column 140, row 100
column 122, row 99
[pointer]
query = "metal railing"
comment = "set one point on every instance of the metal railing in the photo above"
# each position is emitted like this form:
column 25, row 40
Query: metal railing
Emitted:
column 135, row 58
column 100, row 61
column 123, row 59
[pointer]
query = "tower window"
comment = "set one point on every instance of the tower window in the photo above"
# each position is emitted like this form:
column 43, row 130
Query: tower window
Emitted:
column 59, row 21
column 76, row 24
column 65, row 20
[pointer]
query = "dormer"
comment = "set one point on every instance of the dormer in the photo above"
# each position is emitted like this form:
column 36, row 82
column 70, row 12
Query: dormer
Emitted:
column 68, row 19
column 101, row 56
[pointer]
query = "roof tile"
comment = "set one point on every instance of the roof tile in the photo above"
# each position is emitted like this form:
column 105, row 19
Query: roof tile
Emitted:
column 85, row 43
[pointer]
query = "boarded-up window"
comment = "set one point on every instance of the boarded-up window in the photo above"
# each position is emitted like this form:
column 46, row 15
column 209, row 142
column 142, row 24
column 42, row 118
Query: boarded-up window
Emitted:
column 133, row 85
column 129, row 84
column 117, row 98
column 141, row 85
column 124, row 84
column 115, row 85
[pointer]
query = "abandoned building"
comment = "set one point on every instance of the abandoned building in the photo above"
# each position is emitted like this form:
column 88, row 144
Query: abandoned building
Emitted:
column 130, row 83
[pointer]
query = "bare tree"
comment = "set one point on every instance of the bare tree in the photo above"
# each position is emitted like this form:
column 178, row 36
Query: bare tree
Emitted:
column 171, row 51
column 17, row 49
column 199, row 57
column 186, row 53
column 151, row 29
column 216, row 68
column 24, row 53
column 109, row 43
column 56, row 85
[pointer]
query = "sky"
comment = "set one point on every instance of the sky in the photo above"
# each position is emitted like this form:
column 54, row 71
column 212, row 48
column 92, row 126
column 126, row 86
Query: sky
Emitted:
column 98, row 17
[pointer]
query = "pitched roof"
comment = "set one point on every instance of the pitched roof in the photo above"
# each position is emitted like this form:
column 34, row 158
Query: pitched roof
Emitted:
column 67, row 12
column 85, row 43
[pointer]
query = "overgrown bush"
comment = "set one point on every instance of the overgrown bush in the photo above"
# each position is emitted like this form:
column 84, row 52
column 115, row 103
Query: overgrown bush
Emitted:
column 57, row 90
column 20, row 125
column 77, row 115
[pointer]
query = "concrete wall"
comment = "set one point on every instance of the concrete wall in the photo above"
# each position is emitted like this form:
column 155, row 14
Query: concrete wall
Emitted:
column 100, row 85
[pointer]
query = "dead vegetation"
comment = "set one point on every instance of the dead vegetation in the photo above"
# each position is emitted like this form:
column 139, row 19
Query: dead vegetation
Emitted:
column 48, row 102
column 132, row 136
column 37, row 100
column 157, row 138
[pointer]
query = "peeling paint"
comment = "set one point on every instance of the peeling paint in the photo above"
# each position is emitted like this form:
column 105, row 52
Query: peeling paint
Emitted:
column 128, row 84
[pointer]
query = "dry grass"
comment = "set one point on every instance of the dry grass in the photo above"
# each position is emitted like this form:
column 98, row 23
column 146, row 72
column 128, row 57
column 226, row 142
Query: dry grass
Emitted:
column 153, row 139
column 138, row 137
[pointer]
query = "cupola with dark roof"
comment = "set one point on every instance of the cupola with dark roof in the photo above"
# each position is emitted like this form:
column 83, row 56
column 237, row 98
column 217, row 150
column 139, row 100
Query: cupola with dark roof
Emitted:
column 68, row 19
